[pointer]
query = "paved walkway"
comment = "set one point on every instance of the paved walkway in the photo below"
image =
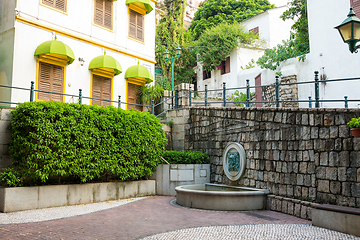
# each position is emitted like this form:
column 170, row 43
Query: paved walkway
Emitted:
column 157, row 218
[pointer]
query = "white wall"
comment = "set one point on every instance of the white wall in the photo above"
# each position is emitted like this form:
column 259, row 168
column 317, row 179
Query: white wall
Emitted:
column 328, row 54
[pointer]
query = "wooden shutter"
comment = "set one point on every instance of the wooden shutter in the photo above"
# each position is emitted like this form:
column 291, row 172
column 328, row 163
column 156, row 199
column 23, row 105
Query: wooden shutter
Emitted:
column 258, row 96
column 101, row 89
column 139, row 30
column 355, row 4
column 108, row 14
column 103, row 13
column 58, row 4
column 227, row 65
column 51, row 79
column 255, row 31
column 136, row 24
column 132, row 97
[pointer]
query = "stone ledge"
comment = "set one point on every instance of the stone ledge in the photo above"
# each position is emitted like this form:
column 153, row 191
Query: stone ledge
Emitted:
column 335, row 208
column 25, row 198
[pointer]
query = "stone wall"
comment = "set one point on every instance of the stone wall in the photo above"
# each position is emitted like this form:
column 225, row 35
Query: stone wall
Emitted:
column 5, row 137
column 303, row 154
column 286, row 92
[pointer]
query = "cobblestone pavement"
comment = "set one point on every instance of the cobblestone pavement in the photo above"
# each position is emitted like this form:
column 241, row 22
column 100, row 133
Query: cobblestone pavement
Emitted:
column 155, row 215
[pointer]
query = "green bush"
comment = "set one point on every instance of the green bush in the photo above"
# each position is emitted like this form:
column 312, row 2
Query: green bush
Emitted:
column 354, row 123
column 186, row 157
column 52, row 140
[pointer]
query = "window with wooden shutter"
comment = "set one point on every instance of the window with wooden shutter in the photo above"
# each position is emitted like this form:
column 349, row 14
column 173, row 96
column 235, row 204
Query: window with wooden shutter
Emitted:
column 255, row 31
column 136, row 25
column 225, row 66
column 132, row 97
column 101, row 89
column 103, row 13
column 57, row 4
column 206, row 74
column 51, row 79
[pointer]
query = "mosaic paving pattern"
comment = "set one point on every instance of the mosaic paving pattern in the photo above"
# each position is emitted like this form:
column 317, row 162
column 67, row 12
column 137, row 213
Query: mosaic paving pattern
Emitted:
column 253, row 231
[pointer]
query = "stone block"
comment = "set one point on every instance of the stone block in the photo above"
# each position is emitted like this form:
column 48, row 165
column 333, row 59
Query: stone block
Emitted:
column 324, row 186
column 304, row 211
column 335, row 187
column 13, row 199
column 321, row 172
column 348, row 144
column 52, row 196
column 312, row 193
column 303, row 167
column 80, row 193
column 305, row 133
column 284, row 207
column 324, row 133
column 351, row 174
column 290, row 208
column 307, row 180
column 356, row 143
column 334, row 132
column 344, row 159
column 333, row 159
column 331, row 173
column 346, row 189
column 297, row 210
column 344, row 131
column 342, row 174
column 355, row 159
column 329, row 119
column 304, row 193
column 324, row 159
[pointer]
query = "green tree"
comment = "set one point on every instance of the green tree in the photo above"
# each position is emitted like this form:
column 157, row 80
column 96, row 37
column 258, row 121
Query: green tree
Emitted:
column 214, row 12
column 297, row 45
column 216, row 43
column 171, row 33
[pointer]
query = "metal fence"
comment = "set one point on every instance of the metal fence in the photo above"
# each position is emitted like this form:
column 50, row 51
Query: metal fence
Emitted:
column 80, row 97
column 277, row 100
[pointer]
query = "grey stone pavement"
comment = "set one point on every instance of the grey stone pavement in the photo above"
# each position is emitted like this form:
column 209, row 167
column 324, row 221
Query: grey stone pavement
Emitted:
column 159, row 218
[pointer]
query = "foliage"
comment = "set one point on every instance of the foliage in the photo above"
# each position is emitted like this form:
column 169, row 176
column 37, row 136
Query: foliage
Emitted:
column 297, row 45
column 238, row 97
column 220, row 41
column 163, row 82
column 273, row 57
column 250, row 65
column 148, row 93
column 213, row 12
column 52, row 140
column 186, row 157
column 171, row 33
column 354, row 123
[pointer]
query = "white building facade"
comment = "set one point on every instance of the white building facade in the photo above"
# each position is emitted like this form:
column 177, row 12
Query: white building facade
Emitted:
column 270, row 29
column 125, row 30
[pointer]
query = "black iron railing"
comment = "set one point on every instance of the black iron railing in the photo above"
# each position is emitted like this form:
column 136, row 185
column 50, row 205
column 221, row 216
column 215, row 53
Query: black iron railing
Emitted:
column 277, row 100
column 80, row 98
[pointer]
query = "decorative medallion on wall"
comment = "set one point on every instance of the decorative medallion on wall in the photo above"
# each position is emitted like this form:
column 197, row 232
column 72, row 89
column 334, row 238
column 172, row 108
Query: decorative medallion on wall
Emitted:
column 234, row 161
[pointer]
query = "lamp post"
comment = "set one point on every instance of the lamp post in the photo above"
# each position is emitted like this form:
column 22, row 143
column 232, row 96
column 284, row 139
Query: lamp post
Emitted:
column 349, row 30
column 178, row 51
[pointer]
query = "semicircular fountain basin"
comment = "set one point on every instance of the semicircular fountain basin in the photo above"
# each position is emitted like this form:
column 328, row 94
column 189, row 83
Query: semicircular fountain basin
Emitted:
column 221, row 197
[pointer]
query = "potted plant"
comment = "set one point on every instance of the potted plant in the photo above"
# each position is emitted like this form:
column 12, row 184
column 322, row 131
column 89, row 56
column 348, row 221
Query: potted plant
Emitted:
column 354, row 125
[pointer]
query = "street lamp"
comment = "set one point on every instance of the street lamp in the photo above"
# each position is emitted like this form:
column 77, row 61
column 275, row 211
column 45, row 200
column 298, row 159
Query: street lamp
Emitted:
column 349, row 30
column 178, row 51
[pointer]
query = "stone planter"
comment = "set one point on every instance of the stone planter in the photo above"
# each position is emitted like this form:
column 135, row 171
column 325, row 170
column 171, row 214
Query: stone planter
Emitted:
column 355, row 132
column 170, row 176
column 24, row 198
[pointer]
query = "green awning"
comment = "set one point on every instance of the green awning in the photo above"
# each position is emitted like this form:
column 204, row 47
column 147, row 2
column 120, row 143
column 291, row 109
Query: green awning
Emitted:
column 144, row 3
column 57, row 48
column 139, row 71
column 107, row 62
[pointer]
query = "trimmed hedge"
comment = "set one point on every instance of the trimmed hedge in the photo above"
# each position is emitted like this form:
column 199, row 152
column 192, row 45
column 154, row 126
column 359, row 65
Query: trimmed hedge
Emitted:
column 52, row 140
column 186, row 157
